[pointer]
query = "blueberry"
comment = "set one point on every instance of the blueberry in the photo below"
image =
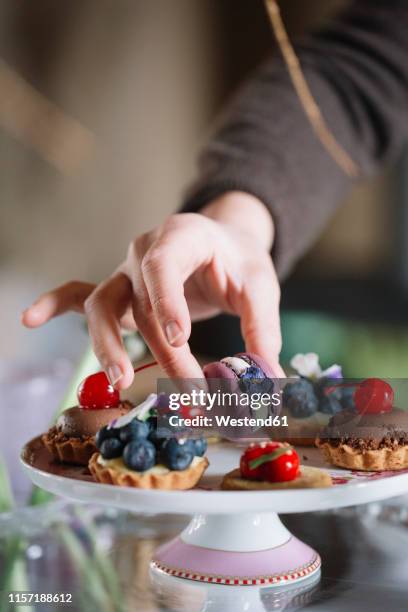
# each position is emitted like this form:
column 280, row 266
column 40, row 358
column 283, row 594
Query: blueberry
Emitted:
column 104, row 434
column 253, row 372
column 347, row 398
column 159, row 435
column 330, row 405
column 111, row 448
column 322, row 385
column 188, row 443
column 152, row 423
column 133, row 430
column 177, row 454
column 341, row 397
column 200, row 445
column 139, row 455
column 328, row 386
column 254, row 381
column 300, row 398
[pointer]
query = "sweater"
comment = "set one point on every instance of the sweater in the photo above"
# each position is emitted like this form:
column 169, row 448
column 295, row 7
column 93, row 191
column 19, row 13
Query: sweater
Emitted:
column 357, row 70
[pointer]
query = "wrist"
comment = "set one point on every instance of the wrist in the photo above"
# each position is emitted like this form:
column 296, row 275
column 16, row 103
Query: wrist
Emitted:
column 245, row 213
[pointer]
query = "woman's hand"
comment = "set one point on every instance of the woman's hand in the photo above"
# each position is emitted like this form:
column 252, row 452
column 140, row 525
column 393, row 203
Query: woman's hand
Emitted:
column 192, row 267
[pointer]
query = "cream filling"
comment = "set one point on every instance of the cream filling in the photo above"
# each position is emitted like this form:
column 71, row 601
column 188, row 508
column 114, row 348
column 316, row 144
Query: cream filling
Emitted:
column 159, row 469
column 237, row 364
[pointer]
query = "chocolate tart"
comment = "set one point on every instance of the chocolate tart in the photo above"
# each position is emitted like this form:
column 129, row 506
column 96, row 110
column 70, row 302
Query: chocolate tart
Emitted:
column 115, row 472
column 72, row 439
column 300, row 432
column 309, row 478
column 366, row 442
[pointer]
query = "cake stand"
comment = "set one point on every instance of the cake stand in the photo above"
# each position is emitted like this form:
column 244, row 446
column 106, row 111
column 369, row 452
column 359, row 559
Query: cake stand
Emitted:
column 235, row 538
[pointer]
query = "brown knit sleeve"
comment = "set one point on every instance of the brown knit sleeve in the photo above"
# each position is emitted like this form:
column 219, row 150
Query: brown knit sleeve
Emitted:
column 357, row 70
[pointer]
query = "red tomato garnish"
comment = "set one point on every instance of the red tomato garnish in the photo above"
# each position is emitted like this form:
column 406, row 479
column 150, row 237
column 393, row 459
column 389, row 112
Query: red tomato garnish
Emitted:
column 252, row 452
column 271, row 461
column 374, row 396
column 96, row 392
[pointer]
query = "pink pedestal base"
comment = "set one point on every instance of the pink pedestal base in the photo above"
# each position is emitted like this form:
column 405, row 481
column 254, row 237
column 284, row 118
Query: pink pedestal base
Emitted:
column 284, row 564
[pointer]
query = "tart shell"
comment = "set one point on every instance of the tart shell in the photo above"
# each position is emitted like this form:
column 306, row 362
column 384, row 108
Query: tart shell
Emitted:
column 184, row 479
column 70, row 450
column 379, row 460
column 309, row 478
column 300, row 441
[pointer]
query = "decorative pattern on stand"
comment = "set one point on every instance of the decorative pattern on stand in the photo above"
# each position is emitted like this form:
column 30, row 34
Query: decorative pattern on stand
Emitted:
column 350, row 477
column 290, row 576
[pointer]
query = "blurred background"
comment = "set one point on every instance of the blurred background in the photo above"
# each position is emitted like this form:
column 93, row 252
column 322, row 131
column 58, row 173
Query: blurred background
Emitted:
column 104, row 107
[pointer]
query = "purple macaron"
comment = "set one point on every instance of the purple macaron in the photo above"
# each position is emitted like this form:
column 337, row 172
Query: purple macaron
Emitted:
column 237, row 375
column 239, row 366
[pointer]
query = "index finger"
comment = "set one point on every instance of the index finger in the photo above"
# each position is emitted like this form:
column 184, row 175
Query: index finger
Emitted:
column 260, row 319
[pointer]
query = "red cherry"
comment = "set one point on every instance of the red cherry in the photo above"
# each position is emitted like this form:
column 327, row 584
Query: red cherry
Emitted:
column 96, row 392
column 271, row 461
column 374, row 396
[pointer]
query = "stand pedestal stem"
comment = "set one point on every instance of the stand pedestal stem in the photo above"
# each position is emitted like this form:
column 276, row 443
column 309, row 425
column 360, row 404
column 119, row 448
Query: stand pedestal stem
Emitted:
column 239, row 549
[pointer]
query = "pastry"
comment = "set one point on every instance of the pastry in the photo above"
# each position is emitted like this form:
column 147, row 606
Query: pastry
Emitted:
column 273, row 465
column 245, row 373
column 115, row 472
column 244, row 368
column 72, row 438
column 136, row 453
column 309, row 478
column 310, row 400
column 372, row 438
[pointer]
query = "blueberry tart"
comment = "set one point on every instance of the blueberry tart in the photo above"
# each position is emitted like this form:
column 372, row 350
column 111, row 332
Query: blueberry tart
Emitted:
column 137, row 454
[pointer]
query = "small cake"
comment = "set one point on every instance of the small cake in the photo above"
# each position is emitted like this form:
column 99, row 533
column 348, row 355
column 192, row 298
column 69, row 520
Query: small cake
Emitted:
column 307, row 404
column 135, row 453
column 273, row 465
column 72, row 438
column 373, row 438
column 247, row 369
column 243, row 374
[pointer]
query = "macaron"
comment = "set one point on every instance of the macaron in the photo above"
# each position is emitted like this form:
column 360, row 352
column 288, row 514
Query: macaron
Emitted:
column 234, row 376
column 241, row 366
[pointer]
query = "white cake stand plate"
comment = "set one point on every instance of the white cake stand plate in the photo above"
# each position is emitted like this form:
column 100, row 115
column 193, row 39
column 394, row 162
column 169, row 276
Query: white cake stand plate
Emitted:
column 235, row 538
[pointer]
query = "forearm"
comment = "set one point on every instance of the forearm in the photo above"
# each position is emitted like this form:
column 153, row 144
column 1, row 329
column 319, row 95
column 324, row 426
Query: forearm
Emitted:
column 358, row 74
column 245, row 213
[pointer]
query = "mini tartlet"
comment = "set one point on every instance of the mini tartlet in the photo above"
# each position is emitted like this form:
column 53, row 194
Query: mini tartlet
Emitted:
column 72, row 438
column 366, row 442
column 115, row 472
column 309, row 478
column 136, row 451
column 273, row 465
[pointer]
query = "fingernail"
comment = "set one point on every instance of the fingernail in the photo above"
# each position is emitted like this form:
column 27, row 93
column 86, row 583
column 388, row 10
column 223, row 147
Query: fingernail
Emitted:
column 173, row 332
column 114, row 374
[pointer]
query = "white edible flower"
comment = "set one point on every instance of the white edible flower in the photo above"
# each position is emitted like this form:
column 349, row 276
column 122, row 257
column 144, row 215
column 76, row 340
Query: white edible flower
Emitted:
column 139, row 412
column 306, row 365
